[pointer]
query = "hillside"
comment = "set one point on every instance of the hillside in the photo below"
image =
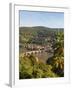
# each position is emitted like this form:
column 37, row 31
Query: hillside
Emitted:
column 37, row 35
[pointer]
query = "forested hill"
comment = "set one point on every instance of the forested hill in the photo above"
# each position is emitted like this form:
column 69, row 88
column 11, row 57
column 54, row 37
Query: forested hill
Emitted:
column 37, row 34
column 40, row 28
column 38, row 31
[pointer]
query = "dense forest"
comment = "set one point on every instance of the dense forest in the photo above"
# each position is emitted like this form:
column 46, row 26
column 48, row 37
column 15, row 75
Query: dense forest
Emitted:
column 41, row 52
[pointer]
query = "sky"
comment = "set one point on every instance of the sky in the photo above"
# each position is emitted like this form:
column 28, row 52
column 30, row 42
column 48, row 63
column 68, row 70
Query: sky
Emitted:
column 41, row 18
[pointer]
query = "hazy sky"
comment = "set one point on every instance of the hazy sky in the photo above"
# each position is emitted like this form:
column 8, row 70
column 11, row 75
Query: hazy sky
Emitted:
column 48, row 19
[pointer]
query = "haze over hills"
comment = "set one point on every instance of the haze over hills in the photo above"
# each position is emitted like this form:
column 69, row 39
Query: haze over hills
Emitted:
column 41, row 27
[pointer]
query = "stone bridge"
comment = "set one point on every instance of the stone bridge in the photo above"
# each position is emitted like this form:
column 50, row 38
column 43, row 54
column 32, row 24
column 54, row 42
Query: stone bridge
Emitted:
column 31, row 52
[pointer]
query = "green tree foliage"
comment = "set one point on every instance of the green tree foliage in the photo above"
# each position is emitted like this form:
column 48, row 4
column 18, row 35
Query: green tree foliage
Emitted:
column 30, row 68
column 57, row 61
column 59, row 54
column 25, row 67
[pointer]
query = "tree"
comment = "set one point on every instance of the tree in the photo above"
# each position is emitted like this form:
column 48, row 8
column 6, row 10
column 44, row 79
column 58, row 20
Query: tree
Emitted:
column 29, row 67
column 58, row 58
